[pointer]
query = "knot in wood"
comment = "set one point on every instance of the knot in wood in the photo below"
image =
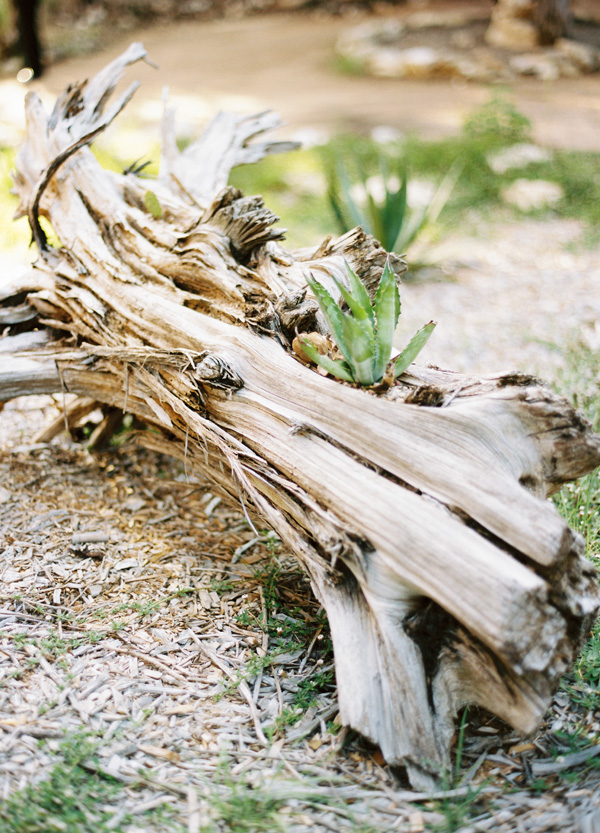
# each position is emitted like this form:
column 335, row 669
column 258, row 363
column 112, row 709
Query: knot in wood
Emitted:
column 213, row 370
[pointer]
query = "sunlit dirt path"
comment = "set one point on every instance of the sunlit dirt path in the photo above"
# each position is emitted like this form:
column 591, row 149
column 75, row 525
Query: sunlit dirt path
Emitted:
column 286, row 62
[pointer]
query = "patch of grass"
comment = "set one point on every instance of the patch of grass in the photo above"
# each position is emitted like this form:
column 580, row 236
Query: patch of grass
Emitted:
column 587, row 668
column 73, row 798
column 579, row 505
column 457, row 811
column 579, row 502
column 293, row 187
column 569, row 741
column 221, row 585
column 498, row 120
column 310, row 688
column 497, row 124
column 290, row 627
column 51, row 647
column 289, row 624
column 578, row 173
column 237, row 807
column 142, row 609
column 272, row 804
column 249, row 672
column 288, row 717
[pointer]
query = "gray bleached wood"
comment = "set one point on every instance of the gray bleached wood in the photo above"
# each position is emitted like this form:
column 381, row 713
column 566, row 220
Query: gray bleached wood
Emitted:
column 420, row 514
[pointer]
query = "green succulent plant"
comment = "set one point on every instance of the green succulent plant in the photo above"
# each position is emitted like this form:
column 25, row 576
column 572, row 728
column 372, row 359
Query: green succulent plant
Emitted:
column 387, row 215
column 364, row 334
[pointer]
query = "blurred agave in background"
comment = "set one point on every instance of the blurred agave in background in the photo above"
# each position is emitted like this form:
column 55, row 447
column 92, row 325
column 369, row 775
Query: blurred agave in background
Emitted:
column 387, row 205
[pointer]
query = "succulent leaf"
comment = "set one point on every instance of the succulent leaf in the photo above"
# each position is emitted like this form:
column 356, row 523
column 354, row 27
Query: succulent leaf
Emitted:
column 375, row 225
column 338, row 208
column 393, row 215
column 355, row 306
column 332, row 366
column 364, row 335
column 356, row 216
column 412, row 349
column 153, row 205
column 387, row 312
column 359, row 291
column 358, row 336
column 332, row 312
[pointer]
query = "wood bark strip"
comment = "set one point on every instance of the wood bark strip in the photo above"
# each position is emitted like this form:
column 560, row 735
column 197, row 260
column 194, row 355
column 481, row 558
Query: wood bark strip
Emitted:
column 420, row 515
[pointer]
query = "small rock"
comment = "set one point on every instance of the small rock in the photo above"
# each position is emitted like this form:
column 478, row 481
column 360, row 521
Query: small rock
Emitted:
column 450, row 18
column 543, row 65
column 133, row 504
column 517, row 156
column 465, row 67
column 584, row 57
column 388, row 31
column 360, row 42
column 125, row 564
column 511, row 33
column 463, row 39
column 417, row 62
column 529, row 194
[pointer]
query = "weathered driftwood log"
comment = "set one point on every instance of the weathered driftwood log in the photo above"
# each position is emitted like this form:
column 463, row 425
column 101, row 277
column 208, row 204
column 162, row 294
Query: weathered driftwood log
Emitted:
column 420, row 514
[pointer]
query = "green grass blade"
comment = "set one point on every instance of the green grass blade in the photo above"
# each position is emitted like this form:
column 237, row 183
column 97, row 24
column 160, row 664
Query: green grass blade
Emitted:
column 332, row 366
column 332, row 312
column 413, row 348
column 387, row 312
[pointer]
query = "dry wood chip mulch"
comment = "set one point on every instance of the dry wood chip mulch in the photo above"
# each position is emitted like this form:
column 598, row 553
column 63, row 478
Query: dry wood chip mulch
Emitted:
column 139, row 609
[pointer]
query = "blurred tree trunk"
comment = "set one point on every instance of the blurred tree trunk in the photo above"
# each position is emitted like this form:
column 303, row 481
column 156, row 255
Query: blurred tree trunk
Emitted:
column 551, row 18
column 29, row 41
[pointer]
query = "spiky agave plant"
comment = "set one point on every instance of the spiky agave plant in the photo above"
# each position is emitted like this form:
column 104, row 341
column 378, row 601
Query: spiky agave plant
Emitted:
column 387, row 215
column 364, row 334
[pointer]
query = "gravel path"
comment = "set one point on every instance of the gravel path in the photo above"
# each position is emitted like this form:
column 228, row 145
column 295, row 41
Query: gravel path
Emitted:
column 515, row 296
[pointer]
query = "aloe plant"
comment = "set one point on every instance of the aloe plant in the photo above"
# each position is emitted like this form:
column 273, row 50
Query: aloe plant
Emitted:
column 363, row 335
column 387, row 216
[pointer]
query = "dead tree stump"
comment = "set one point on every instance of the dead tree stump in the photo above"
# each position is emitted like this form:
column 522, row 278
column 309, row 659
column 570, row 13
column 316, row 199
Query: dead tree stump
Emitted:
column 420, row 514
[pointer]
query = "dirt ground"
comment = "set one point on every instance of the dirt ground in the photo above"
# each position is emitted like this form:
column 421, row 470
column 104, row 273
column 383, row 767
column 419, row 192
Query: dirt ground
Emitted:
column 132, row 601
column 285, row 62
